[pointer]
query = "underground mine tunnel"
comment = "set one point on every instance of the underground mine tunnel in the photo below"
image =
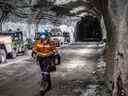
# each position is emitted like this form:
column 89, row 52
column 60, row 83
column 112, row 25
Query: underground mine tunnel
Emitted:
column 88, row 29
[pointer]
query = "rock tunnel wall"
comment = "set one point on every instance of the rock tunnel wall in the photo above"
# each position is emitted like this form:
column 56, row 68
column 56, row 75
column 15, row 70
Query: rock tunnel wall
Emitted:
column 116, row 16
column 119, row 15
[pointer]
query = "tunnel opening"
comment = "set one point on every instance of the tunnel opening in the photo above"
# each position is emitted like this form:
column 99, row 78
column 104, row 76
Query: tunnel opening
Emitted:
column 88, row 29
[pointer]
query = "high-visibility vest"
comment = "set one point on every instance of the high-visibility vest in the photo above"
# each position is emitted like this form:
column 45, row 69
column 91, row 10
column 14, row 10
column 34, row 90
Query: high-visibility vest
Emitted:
column 44, row 48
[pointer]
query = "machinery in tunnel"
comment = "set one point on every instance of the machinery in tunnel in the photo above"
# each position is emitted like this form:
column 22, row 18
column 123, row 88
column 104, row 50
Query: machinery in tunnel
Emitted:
column 88, row 29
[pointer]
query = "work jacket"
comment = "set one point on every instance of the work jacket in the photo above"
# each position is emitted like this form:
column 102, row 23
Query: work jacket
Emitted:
column 44, row 47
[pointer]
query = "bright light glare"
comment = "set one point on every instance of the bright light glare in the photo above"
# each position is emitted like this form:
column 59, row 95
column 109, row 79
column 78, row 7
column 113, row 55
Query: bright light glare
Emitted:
column 61, row 2
column 75, row 10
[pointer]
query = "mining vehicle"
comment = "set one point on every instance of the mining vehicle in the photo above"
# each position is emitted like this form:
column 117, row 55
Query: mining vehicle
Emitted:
column 11, row 44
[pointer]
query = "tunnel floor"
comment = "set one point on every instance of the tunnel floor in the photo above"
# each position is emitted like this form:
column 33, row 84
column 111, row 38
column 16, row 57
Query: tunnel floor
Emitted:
column 81, row 73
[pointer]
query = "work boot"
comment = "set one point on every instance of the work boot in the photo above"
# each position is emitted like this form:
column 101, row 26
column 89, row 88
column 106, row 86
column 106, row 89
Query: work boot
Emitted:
column 49, row 85
column 42, row 92
column 45, row 86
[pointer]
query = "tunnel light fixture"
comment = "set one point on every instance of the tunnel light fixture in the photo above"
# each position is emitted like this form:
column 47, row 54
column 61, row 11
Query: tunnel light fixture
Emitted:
column 77, row 9
column 62, row 2
column 83, row 14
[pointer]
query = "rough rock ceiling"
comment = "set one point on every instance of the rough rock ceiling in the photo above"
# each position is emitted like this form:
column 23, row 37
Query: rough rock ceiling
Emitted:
column 67, row 7
column 58, row 8
column 52, row 9
column 20, row 8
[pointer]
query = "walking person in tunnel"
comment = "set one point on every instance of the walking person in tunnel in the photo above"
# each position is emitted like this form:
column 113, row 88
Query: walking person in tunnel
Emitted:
column 45, row 49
